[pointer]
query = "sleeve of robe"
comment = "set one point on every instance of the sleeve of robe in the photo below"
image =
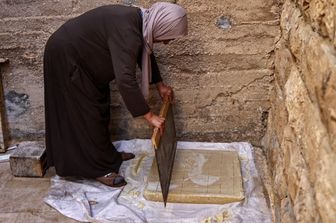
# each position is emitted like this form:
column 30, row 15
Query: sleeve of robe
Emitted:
column 125, row 44
column 156, row 76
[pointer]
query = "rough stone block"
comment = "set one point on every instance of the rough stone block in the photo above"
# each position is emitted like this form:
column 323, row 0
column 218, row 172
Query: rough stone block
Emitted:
column 244, row 11
column 305, row 208
column 321, row 14
column 283, row 60
column 286, row 211
column 325, row 187
column 29, row 160
column 304, row 117
column 26, row 25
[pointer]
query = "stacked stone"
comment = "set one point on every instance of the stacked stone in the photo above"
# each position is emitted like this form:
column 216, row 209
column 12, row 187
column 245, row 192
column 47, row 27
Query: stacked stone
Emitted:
column 301, row 132
column 221, row 73
column 25, row 26
column 221, row 76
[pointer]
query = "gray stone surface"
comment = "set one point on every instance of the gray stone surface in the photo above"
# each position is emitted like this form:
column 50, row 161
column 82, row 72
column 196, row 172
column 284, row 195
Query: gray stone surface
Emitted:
column 29, row 159
column 22, row 199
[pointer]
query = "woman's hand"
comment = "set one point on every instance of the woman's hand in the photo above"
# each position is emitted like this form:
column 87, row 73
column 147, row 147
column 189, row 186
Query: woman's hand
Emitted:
column 165, row 91
column 155, row 121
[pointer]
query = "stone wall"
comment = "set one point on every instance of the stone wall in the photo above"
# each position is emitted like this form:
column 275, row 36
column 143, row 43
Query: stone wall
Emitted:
column 221, row 72
column 301, row 133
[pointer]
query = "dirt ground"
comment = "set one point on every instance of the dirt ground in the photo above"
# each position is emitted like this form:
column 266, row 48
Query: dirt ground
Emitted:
column 21, row 199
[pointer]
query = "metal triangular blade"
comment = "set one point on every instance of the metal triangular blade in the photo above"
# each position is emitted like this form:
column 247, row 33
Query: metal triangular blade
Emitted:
column 165, row 153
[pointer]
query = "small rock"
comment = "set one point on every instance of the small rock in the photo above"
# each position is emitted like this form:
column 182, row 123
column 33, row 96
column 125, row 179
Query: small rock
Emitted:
column 224, row 22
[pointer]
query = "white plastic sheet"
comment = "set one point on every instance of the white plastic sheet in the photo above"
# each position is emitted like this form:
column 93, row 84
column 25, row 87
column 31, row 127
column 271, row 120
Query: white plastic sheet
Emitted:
column 89, row 201
column 5, row 156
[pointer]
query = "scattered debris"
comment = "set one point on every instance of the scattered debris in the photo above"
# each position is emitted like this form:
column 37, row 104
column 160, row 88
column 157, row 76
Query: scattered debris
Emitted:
column 139, row 161
column 5, row 156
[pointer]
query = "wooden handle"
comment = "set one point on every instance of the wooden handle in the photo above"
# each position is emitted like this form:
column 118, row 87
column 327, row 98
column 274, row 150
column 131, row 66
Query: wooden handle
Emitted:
column 163, row 113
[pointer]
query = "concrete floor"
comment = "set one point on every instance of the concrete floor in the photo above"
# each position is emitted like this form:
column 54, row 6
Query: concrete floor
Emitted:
column 21, row 199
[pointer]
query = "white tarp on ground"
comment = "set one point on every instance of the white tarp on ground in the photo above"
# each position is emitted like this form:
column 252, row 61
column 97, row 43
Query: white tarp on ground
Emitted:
column 89, row 201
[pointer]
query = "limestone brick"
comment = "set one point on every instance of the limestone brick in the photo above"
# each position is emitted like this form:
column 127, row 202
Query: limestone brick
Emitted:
column 301, row 129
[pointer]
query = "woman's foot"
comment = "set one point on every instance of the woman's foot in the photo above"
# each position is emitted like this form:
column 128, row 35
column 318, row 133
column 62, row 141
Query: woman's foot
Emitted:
column 112, row 180
column 127, row 156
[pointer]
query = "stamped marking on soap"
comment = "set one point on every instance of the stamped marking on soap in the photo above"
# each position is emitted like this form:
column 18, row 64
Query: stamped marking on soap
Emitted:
column 195, row 164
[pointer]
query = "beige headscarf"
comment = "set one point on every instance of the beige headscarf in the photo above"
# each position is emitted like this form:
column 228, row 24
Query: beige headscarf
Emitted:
column 162, row 21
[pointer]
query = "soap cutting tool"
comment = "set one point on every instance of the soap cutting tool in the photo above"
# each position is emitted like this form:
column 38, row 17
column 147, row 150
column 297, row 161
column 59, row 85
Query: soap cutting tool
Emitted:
column 165, row 148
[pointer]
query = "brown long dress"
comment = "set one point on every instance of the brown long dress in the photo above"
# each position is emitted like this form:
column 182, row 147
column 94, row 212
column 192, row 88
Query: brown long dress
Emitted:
column 80, row 60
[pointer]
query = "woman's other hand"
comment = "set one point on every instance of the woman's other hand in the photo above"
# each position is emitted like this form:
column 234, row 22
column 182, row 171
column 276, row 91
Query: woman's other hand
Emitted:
column 165, row 91
column 155, row 121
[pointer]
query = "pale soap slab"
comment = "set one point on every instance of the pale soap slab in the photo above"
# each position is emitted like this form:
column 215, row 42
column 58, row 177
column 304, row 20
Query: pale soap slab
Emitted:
column 200, row 176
